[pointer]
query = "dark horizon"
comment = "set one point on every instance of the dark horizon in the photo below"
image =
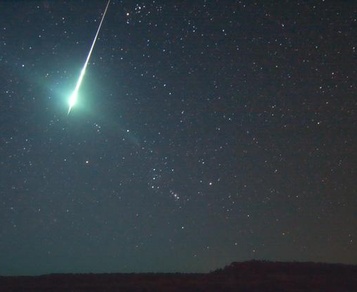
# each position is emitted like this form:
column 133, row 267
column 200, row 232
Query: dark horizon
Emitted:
column 247, row 276
column 224, row 269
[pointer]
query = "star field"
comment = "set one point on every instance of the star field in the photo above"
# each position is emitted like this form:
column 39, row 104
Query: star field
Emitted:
column 205, row 132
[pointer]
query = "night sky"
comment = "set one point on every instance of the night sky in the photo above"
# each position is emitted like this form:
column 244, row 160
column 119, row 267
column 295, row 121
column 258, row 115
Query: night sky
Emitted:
column 205, row 132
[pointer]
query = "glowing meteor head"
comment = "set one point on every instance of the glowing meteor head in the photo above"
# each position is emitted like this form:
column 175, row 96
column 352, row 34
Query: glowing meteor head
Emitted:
column 74, row 96
column 72, row 100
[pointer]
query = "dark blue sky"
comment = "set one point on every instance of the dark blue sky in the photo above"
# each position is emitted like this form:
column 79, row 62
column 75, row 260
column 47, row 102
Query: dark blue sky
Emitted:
column 206, row 132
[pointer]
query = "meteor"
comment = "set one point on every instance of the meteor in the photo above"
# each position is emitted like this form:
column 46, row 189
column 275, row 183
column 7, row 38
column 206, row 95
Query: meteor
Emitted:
column 73, row 98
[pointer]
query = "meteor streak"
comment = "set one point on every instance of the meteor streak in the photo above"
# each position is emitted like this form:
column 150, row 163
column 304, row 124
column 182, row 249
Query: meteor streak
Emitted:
column 73, row 98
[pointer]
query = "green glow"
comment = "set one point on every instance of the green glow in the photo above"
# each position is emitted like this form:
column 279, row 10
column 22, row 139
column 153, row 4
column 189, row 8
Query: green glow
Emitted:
column 74, row 97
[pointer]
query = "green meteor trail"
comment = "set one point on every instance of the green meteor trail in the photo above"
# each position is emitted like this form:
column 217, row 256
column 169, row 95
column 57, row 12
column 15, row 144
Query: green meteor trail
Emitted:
column 74, row 96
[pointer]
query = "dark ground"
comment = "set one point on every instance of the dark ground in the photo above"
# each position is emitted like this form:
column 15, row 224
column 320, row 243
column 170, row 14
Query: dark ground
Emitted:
column 247, row 276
